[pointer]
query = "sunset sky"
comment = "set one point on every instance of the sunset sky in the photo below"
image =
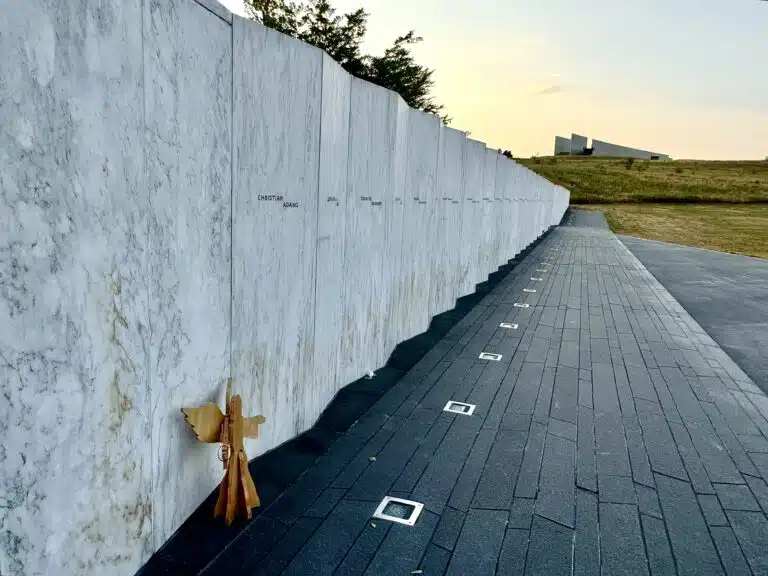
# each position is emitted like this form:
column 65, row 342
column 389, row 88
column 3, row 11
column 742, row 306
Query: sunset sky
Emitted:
column 684, row 77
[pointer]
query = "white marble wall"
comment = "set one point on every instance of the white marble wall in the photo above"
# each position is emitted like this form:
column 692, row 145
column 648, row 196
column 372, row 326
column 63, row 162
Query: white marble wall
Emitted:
column 74, row 328
column 365, row 292
column 451, row 191
column 188, row 119
column 473, row 187
column 276, row 120
column 500, row 214
column 421, row 176
column 331, row 228
column 397, row 328
column 187, row 196
column 488, row 223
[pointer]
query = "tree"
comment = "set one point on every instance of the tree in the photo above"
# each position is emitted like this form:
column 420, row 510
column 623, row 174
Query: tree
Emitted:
column 317, row 23
column 398, row 71
column 339, row 36
column 280, row 15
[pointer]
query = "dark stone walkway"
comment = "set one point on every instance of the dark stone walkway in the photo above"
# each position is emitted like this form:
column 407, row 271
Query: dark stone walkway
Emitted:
column 613, row 435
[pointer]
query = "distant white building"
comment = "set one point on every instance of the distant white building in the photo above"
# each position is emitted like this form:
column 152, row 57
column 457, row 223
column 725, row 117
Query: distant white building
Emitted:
column 562, row 146
column 577, row 145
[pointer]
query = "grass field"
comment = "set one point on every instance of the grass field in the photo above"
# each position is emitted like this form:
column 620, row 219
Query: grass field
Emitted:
column 735, row 228
column 716, row 205
column 608, row 180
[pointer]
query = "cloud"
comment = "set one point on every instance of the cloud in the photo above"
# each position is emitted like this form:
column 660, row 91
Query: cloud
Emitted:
column 548, row 90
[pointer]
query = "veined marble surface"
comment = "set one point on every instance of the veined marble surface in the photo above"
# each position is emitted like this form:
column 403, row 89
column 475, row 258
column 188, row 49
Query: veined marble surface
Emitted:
column 277, row 110
column 488, row 226
column 474, row 156
column 397, row 321
column 188, row 104
column 421, row 181
column 331, row 210
column 450, row 179
column 365, row 299
column 74, row 326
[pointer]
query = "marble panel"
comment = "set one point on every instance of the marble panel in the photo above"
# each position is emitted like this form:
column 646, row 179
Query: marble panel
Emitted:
column 474, row 162
column 276, row 120
column 448, row 241
column 332, row 206
column 499, row 213
column 74, row 326
column 397, row 323
column 488, row 224
column 188, row 119
column 419, row 222
column 437, row 250
column 369, row 174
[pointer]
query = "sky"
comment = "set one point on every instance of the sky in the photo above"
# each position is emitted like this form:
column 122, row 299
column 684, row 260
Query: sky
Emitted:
column 687, row 78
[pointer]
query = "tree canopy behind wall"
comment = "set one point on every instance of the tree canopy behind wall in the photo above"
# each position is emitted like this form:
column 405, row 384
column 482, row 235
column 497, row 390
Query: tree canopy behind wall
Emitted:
column 317, row 23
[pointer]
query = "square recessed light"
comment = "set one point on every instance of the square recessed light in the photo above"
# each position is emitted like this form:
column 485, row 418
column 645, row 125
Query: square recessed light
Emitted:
column 398, row 510
column 459, row 408
column 489, row 356
column 519, row 305
column 507, row 325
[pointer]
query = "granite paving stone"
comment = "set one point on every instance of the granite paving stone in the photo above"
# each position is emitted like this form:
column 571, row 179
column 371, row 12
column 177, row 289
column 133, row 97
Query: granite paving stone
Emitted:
column 611, row 446
column 361, row 552
column 753, row 442
column 616, row 489
column 403, row 546
column 688, row 533
column 479, row 544
column 565, row 430
column 586, row 463
column 586, row 559
column 760, row 490
column 513, row 553
column 528, row 478
column 448, row 528
column 550, row 551
column 544, row 398
column 660, row 446
column 555, row 499
column 497, row 482
column 621, row 542
column 736, row 497
column 330, row 543
column 638, row 457
column 660, row 559
column 648, row 501
column 730, row 552
column 751, row 530
column 521, row 513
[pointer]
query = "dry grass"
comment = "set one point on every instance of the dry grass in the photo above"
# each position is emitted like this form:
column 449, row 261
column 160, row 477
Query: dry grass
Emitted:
column 739, row 229
column 608, row 180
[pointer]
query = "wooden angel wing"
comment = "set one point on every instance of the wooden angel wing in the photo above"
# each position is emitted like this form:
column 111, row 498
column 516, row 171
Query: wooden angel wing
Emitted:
column 205, row 421
column 251, row 426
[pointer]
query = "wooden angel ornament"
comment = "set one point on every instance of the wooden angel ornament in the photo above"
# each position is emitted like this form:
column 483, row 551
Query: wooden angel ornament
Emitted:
column 237, row 492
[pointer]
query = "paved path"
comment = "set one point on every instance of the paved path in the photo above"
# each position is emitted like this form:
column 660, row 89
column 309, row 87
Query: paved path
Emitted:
column 613, row 435
column 727, row 294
